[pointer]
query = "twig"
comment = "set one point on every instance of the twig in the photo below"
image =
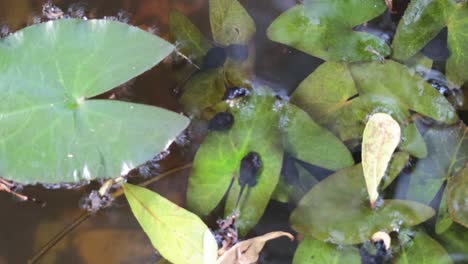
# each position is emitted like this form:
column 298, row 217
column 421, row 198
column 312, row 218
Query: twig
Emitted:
column 83, row 217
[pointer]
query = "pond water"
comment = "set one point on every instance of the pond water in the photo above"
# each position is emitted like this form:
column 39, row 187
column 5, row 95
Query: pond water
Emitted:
column 113, row 235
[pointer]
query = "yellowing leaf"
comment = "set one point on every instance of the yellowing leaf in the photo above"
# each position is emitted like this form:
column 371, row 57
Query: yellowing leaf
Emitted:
column 247, row 252
column 380, row 139
column 178, row 235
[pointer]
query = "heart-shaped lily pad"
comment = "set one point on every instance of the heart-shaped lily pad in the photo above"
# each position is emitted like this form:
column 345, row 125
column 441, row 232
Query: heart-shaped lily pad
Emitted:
column 50, row 129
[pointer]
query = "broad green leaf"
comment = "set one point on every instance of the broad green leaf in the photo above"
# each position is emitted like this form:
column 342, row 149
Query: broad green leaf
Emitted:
column 325, row 91
column 337, row 210
column 203, row 90
column 396, row 82
column 423, row 249
column 179, row 235
column 230, row 22
column 457, row 196
column 423, row 20
column 312, row 251
column 324, row 29
column 380, row 139
column 218, row 159
column 448, row 152
column 50, row 131
column 187, row 36
column 309, row 142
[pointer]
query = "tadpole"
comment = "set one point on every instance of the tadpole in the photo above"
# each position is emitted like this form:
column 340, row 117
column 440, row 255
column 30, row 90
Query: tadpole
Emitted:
column 249, row 169
column 214, row 58
column 221, row 121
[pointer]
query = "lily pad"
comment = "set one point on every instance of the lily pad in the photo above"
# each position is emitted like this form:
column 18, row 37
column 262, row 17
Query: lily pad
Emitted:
column 448, row 152
column 337, row 210
column 230, row 22
column 179, row 235
column 423, row 249
column 423, row 20
column 51, row 131
column 312, row 251
column 324, row 29
column 218, row 159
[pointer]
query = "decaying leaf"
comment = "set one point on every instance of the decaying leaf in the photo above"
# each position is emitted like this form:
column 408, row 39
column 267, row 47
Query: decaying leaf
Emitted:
column 380, row 139
column 247, row 252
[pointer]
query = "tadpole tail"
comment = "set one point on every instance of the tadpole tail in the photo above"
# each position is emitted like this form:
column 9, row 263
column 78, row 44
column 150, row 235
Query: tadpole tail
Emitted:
column 239, row 196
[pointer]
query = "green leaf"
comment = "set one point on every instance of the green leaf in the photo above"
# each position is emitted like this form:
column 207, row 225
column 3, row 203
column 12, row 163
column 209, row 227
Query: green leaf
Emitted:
column 51, row 132
column 457, row 195
column 397, row 164
column 218, row 159
column 395, row 82
column 455, row 242
column 448, row 151
column 443, row 220
column 203, row 90
column 421, row 23
column 413, row 142
column 293, row 192
column 324, row 29
column 179, row 235
column 380, row 139
column 311, row 251
column 337, row 210
column 190, row 40
column 423, row 249
column 307, row 141
column 230, row 22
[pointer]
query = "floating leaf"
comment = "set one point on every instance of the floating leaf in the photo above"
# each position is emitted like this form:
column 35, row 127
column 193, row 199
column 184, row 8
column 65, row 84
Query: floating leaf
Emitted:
column 51, row 132
column 423, row 249
column 190, row 40
column 218, row 159
column 397, row 164
column 230, row 22
column 179, row 235
column 312, row 251
column 457, row 196
column 455, row 242
column 337, row 210
column 423, row 20
column 448, row 152
column 324, row 29
column 380, row 139
column 248, row 251
column 307, row 141
column 443, row 220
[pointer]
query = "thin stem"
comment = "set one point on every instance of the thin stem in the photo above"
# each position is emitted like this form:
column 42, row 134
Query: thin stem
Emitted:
column 86, row 215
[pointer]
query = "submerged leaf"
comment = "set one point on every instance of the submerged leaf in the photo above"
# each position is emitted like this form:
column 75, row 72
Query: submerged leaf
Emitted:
column 179, row 235
column 190, row 40
column 423, row 249
column 421, row 23
column 457, row 196
column 312, row 251
column 324, row 29
column 230, row 22
column 248, row 251
column 448, row 152
column 51, row 131
column 380, row 139
column 336, row 210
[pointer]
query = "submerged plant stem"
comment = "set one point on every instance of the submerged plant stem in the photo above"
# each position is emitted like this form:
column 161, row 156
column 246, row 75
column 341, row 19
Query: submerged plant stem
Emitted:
column 83, row 217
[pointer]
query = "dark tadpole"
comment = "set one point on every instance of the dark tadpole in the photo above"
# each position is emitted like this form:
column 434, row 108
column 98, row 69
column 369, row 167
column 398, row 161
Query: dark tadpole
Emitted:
column 289, row 170
column 238, row 52
column 214, row 58
column 249, row 169
column 221, row 121
column 235, row 92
